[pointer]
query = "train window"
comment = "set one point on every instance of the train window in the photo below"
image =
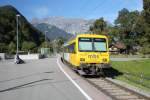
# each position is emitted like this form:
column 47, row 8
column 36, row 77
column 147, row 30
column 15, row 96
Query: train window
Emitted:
column 92, row 44
column 85, row 44
column 100, row 44
column 66, row 49
column 71, row 48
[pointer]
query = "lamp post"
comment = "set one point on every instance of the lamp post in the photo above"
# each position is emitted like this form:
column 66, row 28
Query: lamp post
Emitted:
column 17, row 32
column 17, row 59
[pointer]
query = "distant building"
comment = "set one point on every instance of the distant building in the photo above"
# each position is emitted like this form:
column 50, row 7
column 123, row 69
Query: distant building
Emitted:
column 117, row 48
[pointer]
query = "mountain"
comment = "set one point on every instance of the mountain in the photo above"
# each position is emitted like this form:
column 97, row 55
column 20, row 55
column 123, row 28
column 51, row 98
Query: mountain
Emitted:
column 27, row 32
column 52, row 32
column 70, row 25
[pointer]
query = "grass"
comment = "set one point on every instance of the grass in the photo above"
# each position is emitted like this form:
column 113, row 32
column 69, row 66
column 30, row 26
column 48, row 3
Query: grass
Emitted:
column 124, row 55
column 121, row 78
column 129, row 56
column 137, row 67
column 134, row 67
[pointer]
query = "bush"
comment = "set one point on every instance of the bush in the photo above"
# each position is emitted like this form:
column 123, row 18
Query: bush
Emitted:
column 3, row 47
column 145, row 49
column 11, row 48
column 28, row 46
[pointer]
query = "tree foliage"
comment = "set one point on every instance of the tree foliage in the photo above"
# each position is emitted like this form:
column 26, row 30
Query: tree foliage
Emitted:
column 28, row 46
column 126, row 22
column 3, row 47
column 57, row 44
column 8, row 29
column 12, row 48
column 130, row 27
column 98, row 26
column 146, row 36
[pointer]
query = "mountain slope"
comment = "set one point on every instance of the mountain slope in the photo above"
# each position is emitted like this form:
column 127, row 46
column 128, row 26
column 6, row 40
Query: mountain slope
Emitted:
column 70, row 25
column 52, row 32
column 8, row 27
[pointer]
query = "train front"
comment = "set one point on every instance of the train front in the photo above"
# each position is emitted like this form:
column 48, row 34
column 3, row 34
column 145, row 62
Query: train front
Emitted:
column 93, row 54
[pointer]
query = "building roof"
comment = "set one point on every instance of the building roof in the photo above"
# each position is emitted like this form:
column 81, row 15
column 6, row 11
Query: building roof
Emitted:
column 119, row 45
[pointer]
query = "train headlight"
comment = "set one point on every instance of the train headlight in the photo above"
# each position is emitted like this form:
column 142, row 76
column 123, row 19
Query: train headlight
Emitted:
column 82, row 59
column 104, row 60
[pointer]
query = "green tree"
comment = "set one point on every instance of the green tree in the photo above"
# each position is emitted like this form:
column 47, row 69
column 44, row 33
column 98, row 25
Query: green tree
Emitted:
column 122, row 18
column 113, row 34
column 3, row 47
column 8, row 29
column 47, row 45
column 28, row 46
column 146, row 37
column 57, row 44
column 99, row 26
column 12, row 48
column 126, row 23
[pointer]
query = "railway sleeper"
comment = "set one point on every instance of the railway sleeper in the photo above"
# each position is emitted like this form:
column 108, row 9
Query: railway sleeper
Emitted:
column 116, row 95
column 116, row 90
column 96, row 81
column 107, row 85
column 108, row 88
column 104, row 84
column 119, row 93
column 126, row 97
column 101, row 85
column 136, row 99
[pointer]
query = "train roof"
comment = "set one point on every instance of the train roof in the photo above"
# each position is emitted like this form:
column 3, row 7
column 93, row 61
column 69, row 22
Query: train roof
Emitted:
column 72, row 39
column 91, row 35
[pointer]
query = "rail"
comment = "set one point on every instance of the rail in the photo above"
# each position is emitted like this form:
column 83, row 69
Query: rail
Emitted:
column 115, row 91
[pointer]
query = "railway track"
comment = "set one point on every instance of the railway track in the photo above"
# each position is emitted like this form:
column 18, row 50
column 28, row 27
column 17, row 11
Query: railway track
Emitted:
column 114, row 90
column 111, row 89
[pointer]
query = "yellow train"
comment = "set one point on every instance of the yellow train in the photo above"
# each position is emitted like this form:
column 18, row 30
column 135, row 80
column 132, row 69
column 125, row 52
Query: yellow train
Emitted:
column 87, row 53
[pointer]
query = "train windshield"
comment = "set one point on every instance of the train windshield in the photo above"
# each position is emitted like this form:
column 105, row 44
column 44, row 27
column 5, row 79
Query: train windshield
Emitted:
column 99, row 44
column 85, row 44
column 92, row 44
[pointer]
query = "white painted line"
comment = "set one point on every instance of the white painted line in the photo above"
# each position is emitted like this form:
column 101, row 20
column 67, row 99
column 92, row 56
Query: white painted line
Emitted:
column 80, row 89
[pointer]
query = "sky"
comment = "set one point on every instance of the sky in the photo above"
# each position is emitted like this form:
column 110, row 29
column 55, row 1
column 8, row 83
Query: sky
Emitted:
column 87, row 9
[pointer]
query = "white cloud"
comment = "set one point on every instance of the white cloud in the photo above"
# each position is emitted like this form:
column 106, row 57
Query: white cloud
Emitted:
column 41, row 11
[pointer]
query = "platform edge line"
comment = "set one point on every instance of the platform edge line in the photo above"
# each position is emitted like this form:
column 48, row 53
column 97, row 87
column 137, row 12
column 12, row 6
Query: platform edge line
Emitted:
column 77, row 86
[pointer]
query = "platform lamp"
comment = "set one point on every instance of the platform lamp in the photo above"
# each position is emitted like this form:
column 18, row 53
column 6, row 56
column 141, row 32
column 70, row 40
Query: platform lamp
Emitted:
column 17, row 55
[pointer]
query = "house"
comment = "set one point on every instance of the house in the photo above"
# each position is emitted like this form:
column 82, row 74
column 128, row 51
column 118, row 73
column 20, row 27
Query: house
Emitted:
column 117, row 48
